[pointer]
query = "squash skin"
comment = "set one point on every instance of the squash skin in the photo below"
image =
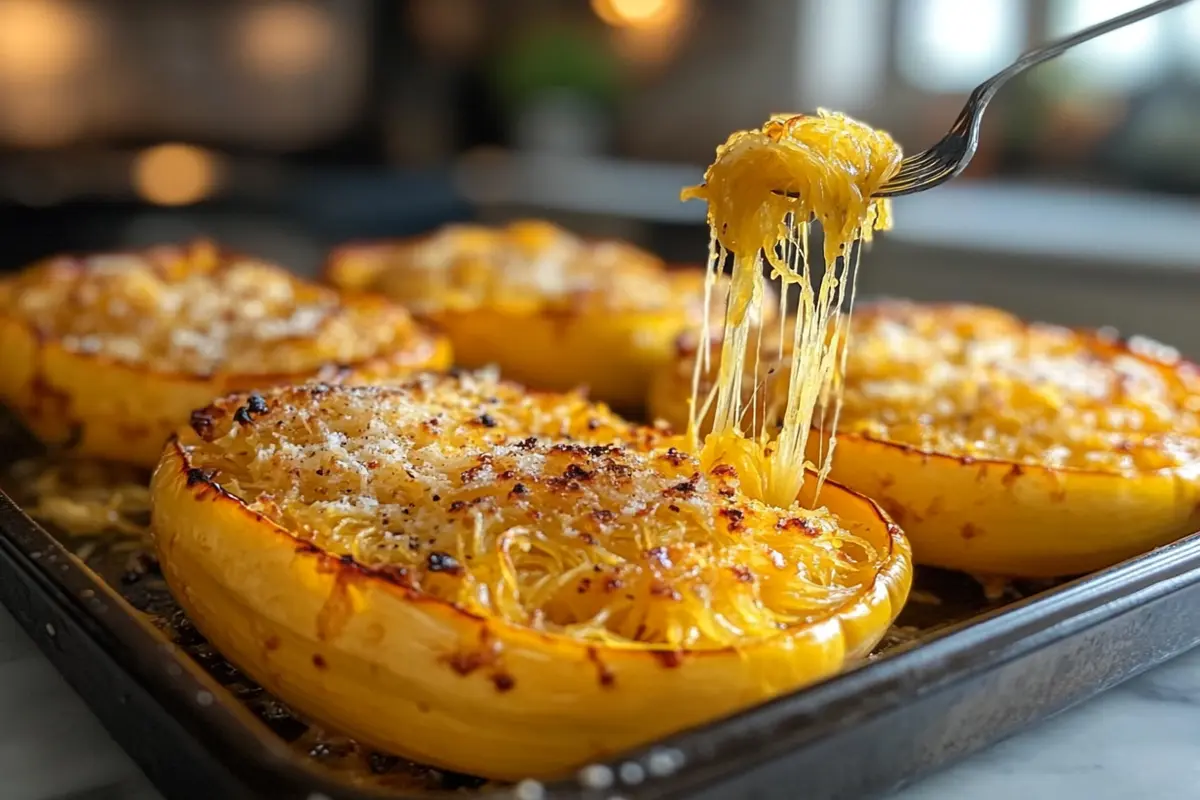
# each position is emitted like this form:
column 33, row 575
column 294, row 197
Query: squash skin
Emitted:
column 995, row 517
column 611, row 348
column 359, row 650
column 99, row 406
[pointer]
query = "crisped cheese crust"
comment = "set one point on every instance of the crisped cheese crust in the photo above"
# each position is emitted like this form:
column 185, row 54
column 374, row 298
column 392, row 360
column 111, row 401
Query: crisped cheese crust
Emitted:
column 198, row 311
column 977, row 382
column 526, row 266
column 545, row 510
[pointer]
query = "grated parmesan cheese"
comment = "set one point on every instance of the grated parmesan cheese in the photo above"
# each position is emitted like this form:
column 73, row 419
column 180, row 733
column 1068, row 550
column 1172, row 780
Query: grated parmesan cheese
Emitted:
column 546, row 510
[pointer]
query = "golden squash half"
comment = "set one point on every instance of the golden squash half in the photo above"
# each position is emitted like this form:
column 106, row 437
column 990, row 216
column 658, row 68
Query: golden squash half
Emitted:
column 1003, row 447
column 503, row 583
column 551, row 310
column 110, row 353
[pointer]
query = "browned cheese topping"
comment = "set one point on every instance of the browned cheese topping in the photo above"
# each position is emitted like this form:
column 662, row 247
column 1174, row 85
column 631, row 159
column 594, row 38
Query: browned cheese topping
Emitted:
column 195, row 310
column 546, row 510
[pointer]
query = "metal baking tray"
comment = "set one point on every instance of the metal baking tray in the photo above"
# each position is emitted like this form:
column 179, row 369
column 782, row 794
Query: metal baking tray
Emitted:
column 959, row 672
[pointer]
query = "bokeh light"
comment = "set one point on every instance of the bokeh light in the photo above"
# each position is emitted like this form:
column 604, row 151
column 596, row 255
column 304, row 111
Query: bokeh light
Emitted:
column 639, row 13
column 41, row 39
column 175, row 174
column 284, row 39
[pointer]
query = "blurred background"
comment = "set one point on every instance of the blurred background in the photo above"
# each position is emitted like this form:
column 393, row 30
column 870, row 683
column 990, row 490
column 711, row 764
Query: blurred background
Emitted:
column 284, row 126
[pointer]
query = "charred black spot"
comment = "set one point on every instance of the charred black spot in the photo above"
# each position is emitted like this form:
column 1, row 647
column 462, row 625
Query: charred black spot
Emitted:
column 255, row 404
column 674, row 456
column 528, row 444
column 242, row 415
column 593, row 424
column 734, row 517
column 195, row 476
column 503, row 682
column 576, row 472
column 617, row 469
column 457, row 505
column 440, row 561
column 603, row 673
column 603, row 515
column 203, row 421
column 319, row 661
column 519, row 488
column 796, row 524
column 585, row 585
column 487, row 420
column 687, row 487
column 346, row 559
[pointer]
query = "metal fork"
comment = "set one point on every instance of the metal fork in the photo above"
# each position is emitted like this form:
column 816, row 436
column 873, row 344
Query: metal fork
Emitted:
column 950, row 156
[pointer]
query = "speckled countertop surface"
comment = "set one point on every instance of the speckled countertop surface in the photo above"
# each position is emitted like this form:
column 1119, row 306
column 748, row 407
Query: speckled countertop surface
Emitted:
column 1140, row 740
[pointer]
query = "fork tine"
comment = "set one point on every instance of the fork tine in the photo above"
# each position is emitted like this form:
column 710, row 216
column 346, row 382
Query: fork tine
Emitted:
column 918, row 161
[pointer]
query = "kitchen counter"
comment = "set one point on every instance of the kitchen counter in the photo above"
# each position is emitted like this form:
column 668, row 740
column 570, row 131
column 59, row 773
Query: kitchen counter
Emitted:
column 1138, row 740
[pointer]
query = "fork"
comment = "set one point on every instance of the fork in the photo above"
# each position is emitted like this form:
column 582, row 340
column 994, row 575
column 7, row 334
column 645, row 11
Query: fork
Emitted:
column 950, row 156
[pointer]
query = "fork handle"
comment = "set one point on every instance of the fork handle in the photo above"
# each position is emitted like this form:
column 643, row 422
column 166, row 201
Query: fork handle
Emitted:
column 988, row 88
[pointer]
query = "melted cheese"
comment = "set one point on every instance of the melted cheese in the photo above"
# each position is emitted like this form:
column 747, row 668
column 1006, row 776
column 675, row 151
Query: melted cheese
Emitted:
column 763, row 189
column 543, row 510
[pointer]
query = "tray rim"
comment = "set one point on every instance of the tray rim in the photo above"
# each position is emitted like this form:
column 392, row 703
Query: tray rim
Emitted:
column 712, row 754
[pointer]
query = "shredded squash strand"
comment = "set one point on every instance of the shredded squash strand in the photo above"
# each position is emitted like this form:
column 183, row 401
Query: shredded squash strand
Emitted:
column 544, row 510
column 762, row 191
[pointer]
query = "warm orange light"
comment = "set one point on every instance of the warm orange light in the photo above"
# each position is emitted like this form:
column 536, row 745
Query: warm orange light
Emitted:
column 284, row 39
column 39, row 117
column 174, row 174
column 41, row 39
column 639, row 13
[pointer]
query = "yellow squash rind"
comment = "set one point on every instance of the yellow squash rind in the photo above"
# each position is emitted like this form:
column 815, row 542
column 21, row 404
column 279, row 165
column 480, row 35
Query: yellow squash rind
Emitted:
column 408, row 674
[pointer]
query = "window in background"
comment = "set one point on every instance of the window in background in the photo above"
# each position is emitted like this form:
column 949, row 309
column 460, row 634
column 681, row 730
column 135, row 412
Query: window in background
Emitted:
column 951, row 45
column 841, row 54
column 1189, row 32
column 1120, row 61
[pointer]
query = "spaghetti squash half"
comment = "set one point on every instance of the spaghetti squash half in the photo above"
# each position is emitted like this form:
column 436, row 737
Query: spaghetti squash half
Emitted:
column 1003, row 447
column 505, row 583
column 551, row 310
column 109, row 353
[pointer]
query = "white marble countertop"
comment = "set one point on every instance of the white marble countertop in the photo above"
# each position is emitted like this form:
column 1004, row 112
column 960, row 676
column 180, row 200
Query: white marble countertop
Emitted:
column 1140, row 740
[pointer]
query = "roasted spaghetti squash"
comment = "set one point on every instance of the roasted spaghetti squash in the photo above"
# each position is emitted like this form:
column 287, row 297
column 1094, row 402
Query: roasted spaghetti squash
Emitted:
column 762, row 190
column 110, row 353
column 504, row 583
column 1002, row 447
column 551, row 310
